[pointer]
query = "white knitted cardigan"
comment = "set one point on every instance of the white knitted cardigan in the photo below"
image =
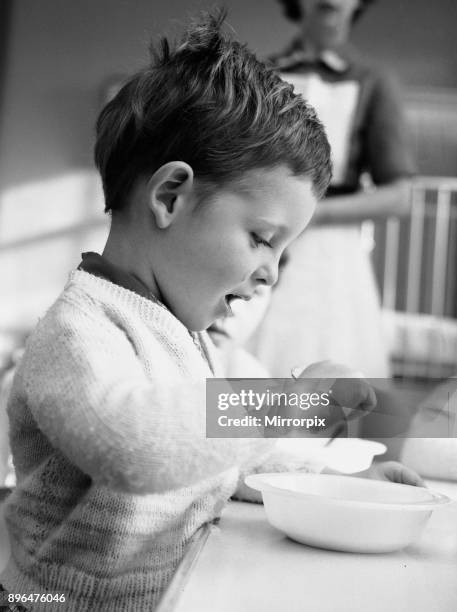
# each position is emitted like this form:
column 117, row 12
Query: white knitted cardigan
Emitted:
column 114, row 472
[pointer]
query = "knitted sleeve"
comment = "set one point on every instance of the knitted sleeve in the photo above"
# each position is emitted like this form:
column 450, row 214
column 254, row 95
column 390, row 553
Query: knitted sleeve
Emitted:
column 90, row 396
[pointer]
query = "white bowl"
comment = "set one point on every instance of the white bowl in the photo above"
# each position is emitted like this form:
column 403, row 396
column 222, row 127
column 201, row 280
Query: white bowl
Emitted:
column 345, row 513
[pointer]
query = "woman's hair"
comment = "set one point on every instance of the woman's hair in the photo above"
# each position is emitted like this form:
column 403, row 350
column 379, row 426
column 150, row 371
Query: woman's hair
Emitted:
column 208, row 101
column 292, row 9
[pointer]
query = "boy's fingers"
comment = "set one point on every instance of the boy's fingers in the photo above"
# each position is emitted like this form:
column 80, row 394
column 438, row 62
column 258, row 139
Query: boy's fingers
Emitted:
column 364, row 406
column 397, row 472
column 410, row 477
column 356, row 395
column 370, row 400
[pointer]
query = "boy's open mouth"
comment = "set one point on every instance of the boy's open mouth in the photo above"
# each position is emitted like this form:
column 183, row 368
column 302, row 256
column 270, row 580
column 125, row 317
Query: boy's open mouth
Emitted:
column 231, row 297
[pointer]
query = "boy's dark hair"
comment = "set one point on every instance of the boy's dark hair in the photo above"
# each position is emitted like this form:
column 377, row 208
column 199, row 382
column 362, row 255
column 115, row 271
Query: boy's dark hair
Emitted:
column 209, row 102
column 293, row 10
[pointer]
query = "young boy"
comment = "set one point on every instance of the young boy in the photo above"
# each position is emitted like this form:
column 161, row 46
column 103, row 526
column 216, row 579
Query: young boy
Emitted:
column 211, row 166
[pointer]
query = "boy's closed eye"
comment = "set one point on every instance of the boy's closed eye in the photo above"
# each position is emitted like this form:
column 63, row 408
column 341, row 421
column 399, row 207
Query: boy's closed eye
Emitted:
column 258, row 240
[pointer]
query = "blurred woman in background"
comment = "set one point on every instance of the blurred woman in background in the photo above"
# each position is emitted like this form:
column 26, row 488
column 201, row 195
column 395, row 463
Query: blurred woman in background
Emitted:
column 327, row 306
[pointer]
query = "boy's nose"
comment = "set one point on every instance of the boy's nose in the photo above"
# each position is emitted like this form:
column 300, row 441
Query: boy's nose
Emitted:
column 267, row 274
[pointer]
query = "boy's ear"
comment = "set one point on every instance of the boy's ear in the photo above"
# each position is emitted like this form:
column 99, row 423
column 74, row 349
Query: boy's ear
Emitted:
column 169, row 187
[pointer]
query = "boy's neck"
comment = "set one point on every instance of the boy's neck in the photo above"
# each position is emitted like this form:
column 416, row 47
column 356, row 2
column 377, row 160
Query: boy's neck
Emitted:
column 119, row 252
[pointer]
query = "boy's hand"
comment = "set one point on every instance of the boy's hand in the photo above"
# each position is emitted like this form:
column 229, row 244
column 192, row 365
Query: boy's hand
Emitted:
column 348, row 387
column 348, row 396
column 393, row 471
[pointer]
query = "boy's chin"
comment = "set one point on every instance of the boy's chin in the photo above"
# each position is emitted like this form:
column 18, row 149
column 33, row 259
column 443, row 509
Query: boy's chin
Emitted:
column 197, row 325
column 194, row 326
column 197, row 322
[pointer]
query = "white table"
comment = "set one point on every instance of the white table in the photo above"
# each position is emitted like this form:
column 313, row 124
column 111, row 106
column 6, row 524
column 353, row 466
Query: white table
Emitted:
column 244, row 564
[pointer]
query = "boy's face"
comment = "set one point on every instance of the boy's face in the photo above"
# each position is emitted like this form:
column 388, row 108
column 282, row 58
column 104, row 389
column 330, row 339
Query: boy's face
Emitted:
column 231, row 244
